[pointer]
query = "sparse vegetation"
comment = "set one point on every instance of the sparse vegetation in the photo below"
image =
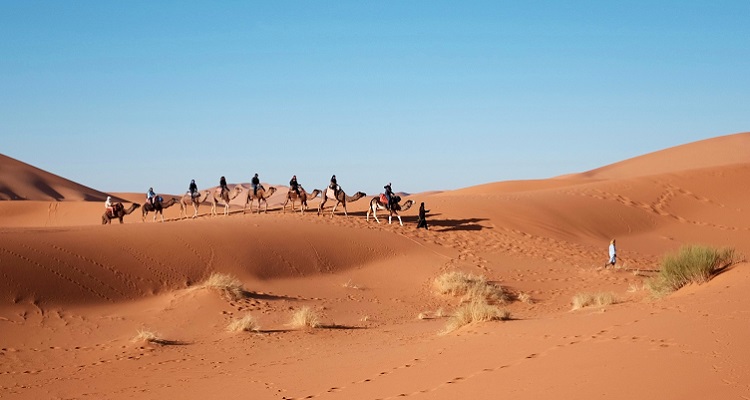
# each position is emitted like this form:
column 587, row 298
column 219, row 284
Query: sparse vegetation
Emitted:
column 475, row 311
column 602, row 299
column 229, row 286
column 305, row 317
column 525, row 297
column 690, row 264
column 144, row 335
column 246, row 323
column 350, row 285
column 470, row 287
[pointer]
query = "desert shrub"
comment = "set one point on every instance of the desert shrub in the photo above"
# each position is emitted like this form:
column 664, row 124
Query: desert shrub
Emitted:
column 246, row 323
column 690, row 264
column 475, row 311
column 227, row 285
column 305, row 317
column 525, row 297
column 470, row 287
column 145, row 335
column 602, row 299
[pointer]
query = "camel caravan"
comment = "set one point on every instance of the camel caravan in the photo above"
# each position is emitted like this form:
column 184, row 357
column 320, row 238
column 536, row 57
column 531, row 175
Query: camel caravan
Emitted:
column 257, row 199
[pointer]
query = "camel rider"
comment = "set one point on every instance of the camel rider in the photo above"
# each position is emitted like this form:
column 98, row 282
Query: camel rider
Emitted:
column 109, row 206
column 193, row 189
column 388, row 194
column 151, row 196
column 334, row 185
column 294, row 185
column 223, row 185
column 255, row 183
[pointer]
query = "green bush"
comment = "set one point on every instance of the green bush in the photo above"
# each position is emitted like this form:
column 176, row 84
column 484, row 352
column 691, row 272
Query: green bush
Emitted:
column 690, row 264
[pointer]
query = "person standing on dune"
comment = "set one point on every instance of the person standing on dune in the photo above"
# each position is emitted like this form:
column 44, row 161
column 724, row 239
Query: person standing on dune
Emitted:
column 422, row 221
column 612, row 255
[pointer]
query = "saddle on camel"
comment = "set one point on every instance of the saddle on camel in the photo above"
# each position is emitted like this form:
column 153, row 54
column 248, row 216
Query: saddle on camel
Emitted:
column 114, row 209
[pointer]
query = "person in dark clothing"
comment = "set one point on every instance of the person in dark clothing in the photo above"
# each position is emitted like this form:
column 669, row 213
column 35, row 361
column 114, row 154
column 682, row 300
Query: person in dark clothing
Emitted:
column 294, row 185
column 255, row 182
column 334, row 185
column 422, row 221
column 223, row 184
column 388, row 195
column 193, row 189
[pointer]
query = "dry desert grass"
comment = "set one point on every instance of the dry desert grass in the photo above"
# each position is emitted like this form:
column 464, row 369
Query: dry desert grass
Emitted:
column 246, row 323
column 470, row 287
column 601, row 299
column 229, row 286
column 148, row 336
column 305, row 317
column 475, row 311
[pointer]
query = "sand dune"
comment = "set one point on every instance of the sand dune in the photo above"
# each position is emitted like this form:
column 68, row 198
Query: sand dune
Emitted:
column 21, row 181
column 74, row 293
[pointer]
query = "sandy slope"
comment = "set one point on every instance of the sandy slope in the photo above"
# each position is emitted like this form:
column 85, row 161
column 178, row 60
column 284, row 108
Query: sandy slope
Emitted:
column 21, row 181
column 74, row 293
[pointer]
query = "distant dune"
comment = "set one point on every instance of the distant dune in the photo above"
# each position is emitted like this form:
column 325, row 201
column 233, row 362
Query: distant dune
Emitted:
column 714, row 152
column 74, row 294
column 21, row 181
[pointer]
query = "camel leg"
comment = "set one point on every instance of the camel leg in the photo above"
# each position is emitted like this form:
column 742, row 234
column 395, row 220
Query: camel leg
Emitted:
column 322, row 203
column 334, row 208
column 399, row 220
column 389, row 219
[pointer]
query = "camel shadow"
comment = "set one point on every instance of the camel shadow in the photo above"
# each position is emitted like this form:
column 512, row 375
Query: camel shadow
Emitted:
column 265, row 296
column 343, row 327
column 448, row 225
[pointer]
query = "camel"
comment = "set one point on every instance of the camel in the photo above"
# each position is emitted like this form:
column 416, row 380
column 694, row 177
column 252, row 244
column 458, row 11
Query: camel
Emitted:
column 118, row 211
column 158, row 207
column 216, row 197
column 376, row 204
column 303, row 197
column 341, row 198
column 196, row 201
column 262, row 195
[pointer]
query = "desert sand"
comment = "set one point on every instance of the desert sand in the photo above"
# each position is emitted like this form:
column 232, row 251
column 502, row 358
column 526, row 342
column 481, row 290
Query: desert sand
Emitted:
column 74, row 293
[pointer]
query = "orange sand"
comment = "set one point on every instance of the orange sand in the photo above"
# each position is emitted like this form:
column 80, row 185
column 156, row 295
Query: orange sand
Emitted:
column 74, row 293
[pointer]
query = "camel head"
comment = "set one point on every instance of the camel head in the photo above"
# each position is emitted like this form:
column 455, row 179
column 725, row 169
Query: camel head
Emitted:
column 407, row 205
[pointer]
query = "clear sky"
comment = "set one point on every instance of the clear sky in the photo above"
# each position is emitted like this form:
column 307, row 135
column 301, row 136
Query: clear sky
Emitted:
column 428, row 95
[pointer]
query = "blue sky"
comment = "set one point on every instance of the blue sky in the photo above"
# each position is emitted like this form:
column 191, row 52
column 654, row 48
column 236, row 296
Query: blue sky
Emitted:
column 428, row 95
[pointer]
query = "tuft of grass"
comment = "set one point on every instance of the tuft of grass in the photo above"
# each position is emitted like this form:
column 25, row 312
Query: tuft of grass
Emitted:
column 351, row 285
column 470, row 287
column 526, row 298
column 246, row 323
column 229, row 286
column 690, row 264
column 475, row 311
column 602, row 299
column 144, row 335
column 305, row 317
